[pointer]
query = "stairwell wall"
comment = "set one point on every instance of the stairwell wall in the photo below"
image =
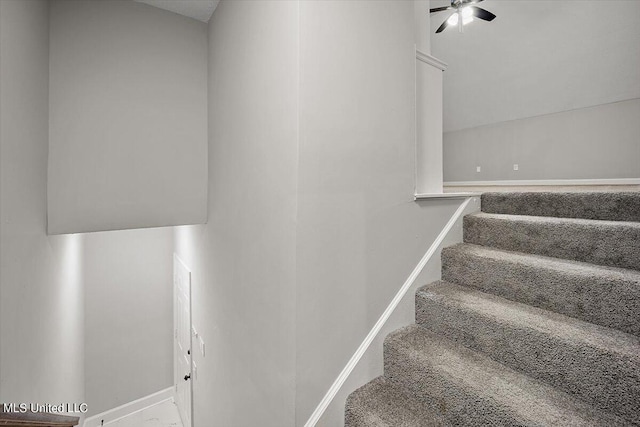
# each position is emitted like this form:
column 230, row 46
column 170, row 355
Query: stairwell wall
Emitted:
column 312, row 226
column 41, row 293
column 128, row 297
column 359, row 231
column 128, row 117
column 243, row 260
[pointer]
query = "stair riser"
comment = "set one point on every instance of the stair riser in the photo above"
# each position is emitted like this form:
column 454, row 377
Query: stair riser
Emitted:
column 608, row 243
column 601, row 206
column 606, row 380
column 611, row 300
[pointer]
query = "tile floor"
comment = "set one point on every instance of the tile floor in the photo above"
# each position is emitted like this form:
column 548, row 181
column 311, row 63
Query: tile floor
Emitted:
column 163, row 414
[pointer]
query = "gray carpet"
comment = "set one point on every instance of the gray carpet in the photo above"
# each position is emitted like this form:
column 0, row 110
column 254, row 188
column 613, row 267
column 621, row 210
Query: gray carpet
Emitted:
column 595, row 205
column 536, row 322
column 610, row 243
column 585, row 291
column 399, row 409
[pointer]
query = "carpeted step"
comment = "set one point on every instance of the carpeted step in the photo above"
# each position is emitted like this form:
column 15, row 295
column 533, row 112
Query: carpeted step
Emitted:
column 381, row 403
column 612, row 243
column 613, row 206
column 606, row 296
column 600, row 365
column 470, row 389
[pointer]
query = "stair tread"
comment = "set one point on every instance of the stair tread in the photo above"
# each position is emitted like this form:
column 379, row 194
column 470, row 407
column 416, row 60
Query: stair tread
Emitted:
column 562, row 327
column 381, row 403
column 549, row 263
column 598, row 223
column 504, row 393
column 616, row 206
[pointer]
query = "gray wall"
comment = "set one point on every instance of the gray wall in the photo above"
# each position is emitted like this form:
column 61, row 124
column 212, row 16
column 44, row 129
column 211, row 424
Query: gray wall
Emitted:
column 360, row 234
column 312, row 225
column 601, row 142
column 533, row 87
column 127, row 117
column 41, row 293
column 128, row 315
column 243, row 260
column 371, row 364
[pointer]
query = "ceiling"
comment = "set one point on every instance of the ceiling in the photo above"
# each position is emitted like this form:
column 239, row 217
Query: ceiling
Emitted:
column 196, row 9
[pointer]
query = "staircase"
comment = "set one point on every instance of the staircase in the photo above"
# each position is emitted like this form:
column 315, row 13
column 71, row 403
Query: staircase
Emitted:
column 536, row 322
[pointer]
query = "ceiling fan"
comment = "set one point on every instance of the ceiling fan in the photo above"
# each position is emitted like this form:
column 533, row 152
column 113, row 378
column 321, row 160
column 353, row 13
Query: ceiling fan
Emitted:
column 465, row 11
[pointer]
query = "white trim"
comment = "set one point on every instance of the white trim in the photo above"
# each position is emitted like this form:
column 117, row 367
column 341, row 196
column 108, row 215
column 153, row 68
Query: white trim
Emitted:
column 534, row 182
column 346, row 371
column 426, row 196
column 129, row 408
column 431, row 60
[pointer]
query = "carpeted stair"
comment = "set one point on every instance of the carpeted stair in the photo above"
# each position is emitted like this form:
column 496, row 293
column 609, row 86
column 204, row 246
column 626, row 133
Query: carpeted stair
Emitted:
column 536, row 322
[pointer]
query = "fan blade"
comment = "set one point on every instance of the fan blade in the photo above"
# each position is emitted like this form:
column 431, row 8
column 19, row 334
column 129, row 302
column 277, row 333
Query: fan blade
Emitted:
column 444, row 25
column 439, row 9
column 479, row 12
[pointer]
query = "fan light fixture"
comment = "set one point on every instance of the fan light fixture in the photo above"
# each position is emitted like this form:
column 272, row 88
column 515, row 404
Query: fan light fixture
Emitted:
column 465, row 11
column 467, row 17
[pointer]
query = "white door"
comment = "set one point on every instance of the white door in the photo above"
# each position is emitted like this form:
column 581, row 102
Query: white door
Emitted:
column 182, row 339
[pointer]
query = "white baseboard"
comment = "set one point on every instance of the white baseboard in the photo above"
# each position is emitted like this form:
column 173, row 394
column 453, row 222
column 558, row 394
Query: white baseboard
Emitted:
column 129, row 408
column 355, row 359
column 536, row 182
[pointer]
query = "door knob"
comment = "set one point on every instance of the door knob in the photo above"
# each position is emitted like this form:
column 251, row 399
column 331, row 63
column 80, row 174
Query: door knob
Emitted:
column 189, row 352
column 186, row 377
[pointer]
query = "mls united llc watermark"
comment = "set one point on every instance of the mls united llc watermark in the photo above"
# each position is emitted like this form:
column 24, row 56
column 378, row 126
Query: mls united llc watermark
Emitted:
column 61, row 408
